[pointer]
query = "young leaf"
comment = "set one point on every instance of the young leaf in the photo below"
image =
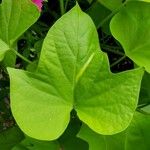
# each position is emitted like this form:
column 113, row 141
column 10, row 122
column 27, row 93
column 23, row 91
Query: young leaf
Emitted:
column 131, row 28
column 71, row 63
column 16, row 16
column 137, row 132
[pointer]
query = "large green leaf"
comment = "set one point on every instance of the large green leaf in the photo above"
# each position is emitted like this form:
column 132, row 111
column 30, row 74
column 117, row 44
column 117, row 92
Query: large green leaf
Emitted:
column 16, row 16
column 131, row 28
column 106, row 101
column 136, row 136
column 69, row 74
column 33, row 144
column 49, row 96
column 41, row 110
column 10, row 138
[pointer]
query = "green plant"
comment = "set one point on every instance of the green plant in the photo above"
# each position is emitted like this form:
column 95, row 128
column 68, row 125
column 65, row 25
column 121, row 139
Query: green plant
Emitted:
column 68, row 96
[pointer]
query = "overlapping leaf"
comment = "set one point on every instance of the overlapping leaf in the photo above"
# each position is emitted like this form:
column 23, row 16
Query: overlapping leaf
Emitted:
column 131, row 28
column 3, row 48
column 32, row 144
column 10, row 137
column 112, row 5
column 73, row 73
column 145, row 90
column 98, row 13
column 16, row 16
column 136, row 136
column 116, row 4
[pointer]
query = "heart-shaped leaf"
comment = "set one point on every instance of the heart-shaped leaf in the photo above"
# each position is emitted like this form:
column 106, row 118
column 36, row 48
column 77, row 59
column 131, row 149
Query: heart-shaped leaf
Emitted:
column 131, row 28
column 73, row 73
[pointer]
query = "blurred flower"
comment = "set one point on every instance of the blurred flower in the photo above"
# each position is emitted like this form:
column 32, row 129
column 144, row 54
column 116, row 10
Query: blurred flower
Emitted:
column 38, row 3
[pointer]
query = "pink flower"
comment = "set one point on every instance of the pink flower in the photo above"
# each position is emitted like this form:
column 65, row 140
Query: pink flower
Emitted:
column 38, row 3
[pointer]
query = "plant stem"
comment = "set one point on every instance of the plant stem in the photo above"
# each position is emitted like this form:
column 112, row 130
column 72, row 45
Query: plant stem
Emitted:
column 62, row 8
column 21, row 56
column 118, row 61
column 110, row 15
column 66, row 4
column 112, row 50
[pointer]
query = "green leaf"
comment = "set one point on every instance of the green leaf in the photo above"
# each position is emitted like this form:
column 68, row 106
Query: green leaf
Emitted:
column 33, row 144
column 98, row 141
column 95, row 141
column 10, row 138
column 146, row 110
column 106, row 101
column 112, row 5
column 72, row 129
column 75, row 143
column 16, row 16
column 98, row 13
column 47, row 112
column 3, row 48
column 137, row 132
column 145, row 89
column 140, row 0
column 115, row 4
column 131, row 28
column 72, row 73
column 52, row 101
column 68, row 140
